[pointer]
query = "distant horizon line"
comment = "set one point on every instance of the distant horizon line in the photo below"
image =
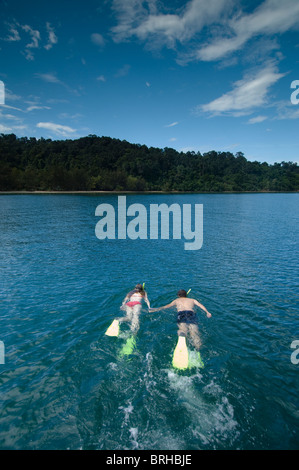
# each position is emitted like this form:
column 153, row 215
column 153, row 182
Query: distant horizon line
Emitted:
column 143, row 192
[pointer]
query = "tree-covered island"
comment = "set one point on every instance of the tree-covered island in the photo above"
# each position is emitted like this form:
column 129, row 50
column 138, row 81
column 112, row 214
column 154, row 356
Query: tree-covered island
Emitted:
column 95, row 163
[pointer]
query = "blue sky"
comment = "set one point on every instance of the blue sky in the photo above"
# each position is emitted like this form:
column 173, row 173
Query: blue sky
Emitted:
column 192, row 75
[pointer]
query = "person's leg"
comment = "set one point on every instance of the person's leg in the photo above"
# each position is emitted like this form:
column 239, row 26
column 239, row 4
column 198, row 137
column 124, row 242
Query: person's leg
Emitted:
column 182, row 329
column 128, row 316
column 135, row 318
column 194, row 334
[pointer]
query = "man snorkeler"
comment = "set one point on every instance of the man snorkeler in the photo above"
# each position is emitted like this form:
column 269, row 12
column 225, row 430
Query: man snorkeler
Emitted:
column 186, row 316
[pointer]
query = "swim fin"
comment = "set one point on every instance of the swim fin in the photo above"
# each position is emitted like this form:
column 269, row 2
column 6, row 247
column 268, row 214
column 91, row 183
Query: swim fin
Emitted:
column 195, row 360
column 180, row 355
column 128, row 347
column 113, row 329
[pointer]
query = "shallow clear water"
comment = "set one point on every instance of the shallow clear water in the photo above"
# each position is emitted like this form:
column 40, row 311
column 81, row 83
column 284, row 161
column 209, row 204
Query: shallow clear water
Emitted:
column 64, row 384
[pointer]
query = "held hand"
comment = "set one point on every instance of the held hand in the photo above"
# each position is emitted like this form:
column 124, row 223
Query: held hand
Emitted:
column 208, row 315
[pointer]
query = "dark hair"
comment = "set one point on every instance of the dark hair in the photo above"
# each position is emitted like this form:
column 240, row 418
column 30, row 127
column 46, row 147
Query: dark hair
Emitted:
column 139, row 287
column 182, row 293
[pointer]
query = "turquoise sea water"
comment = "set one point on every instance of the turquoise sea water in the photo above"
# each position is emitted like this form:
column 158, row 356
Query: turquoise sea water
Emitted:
column 64, row 385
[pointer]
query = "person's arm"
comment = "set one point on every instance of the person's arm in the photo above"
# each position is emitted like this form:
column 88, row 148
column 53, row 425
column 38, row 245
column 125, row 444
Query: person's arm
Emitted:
column 164, row 306
column 203, row 308
column 124, row 301
column 146, row 300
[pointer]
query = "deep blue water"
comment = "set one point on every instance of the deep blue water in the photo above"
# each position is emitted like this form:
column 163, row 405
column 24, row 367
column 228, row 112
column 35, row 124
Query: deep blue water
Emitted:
column 63, row 384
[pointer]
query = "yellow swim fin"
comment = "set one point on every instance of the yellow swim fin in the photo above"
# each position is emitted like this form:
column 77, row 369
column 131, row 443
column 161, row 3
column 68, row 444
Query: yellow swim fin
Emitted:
column 180, row 355
column 113, row 329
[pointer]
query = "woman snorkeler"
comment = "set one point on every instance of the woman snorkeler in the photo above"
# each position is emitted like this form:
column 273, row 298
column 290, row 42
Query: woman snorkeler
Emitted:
column 132, row 304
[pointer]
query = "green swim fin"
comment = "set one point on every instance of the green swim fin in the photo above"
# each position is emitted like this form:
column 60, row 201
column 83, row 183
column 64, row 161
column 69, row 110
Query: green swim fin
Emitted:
column 180, row 355
column 195, row 360
column 128, row 347
column 113, row 329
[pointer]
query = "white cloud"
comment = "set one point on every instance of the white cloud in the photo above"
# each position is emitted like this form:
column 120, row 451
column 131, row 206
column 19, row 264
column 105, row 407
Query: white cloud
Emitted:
column 34, row 44
column 101, row 78
column 220, row 48
column 15, row 34
column 52, row 78
column 123, row 71
column 142, row 19
column 35, row 107
column 5, row 129
column 272, row 17
column 57, row 100
column 14, row 123
column 98, row 39
column 52, row 37
column 172, row 124
column 56, row 128
column 70, row 116
column 128, row 13
column 10, row 117
column 11, row 96
column 229, row 27
column 257, row 119
column 286, row 110
column 247, row 94
column 49, row 77
column 10, row 107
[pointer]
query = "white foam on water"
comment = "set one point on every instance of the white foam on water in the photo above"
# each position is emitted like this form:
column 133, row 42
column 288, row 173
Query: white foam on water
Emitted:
column 128, row 410
column 212, row 421
column 133, row 437
column 160, row 439
column 125, row 426
column 181, row 382
column 149, row 381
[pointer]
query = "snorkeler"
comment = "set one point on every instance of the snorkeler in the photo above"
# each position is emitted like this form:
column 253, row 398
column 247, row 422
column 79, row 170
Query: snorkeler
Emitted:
column 186, row 317
column 132, row 304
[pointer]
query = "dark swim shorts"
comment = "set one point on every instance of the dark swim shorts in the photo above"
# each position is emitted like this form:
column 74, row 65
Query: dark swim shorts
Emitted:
column 187, row 316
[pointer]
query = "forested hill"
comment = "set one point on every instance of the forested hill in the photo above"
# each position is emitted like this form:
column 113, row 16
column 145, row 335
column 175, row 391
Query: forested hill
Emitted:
column 102, row 163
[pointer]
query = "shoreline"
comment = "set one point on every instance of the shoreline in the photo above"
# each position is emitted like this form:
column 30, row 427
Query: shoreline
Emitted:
column 141, row 192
